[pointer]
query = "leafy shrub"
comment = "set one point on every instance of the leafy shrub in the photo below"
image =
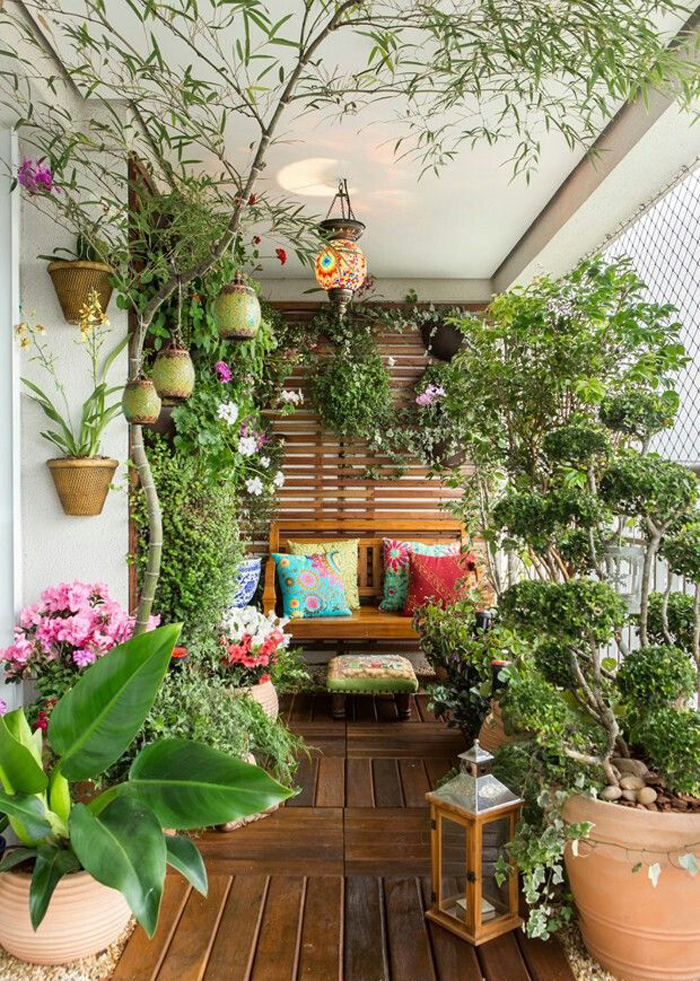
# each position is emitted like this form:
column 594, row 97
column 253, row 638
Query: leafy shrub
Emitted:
column 680, row 615
column 655, row 676
column 648, row 486
column 638, row 413
column 671, row 738
column 290, row 672
column 576, row 443
column 682, row 550
column 201, row 548
column 351, row 393
column 553, row 662
column 568, row 610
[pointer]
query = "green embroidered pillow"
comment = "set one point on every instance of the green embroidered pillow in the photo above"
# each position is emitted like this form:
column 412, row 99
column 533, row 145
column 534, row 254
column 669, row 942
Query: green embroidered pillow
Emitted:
column 396, row 568
column 346, row 558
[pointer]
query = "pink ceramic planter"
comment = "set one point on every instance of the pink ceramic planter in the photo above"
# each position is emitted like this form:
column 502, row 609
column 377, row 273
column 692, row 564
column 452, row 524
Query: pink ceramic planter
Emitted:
column 83, row 918
column 265, row 694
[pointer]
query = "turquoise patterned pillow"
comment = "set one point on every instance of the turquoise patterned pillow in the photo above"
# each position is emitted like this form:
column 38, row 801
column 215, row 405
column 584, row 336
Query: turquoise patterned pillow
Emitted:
column 311, row 585
column 396, row 567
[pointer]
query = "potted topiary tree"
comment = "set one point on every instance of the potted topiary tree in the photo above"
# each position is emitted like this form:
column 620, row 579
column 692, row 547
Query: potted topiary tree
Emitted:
column 568, row 382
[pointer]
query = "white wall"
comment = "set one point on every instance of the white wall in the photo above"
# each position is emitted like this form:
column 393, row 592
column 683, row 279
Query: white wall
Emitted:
column 56, row 548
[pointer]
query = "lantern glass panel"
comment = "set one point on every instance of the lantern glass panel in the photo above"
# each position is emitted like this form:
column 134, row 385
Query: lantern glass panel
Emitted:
column 495, row 898
column 453, row 869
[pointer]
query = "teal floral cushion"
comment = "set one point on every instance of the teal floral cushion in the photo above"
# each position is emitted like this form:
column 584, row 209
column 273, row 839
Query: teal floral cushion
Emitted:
column 311, row 585
column 396, row 568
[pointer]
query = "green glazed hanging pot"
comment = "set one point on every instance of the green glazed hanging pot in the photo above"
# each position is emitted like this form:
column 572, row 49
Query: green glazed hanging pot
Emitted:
column 173, row 373
column 141, row 402
column 237, row 311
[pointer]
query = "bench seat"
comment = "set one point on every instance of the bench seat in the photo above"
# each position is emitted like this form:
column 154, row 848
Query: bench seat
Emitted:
column 367, row 623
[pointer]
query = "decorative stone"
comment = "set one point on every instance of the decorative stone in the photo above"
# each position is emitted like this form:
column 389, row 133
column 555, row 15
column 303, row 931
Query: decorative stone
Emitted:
column 632, row 783
column 635, row 767
column 646, row 795
column 610, row 793
column 630, row 795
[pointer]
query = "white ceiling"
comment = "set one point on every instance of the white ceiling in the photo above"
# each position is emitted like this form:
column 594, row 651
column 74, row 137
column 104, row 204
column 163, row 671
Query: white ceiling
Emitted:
column 460, row 225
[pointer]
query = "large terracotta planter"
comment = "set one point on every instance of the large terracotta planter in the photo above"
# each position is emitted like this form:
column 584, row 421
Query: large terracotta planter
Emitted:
column 492, row 734
column 637, row 931
column 83, row 918
column 82, row 483
column 73, row 279
column 265, row 694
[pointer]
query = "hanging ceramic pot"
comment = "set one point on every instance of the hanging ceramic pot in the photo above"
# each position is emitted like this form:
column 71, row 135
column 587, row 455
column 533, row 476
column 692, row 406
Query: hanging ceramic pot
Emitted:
column 173, row 373
column 442, row 340
column 141, row 402
column 237, row 311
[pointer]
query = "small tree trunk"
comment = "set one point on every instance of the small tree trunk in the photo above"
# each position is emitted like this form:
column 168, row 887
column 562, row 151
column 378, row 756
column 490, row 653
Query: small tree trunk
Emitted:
column 155, row 530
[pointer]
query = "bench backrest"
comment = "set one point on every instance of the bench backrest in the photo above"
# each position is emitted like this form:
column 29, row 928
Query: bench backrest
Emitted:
column 371, row 533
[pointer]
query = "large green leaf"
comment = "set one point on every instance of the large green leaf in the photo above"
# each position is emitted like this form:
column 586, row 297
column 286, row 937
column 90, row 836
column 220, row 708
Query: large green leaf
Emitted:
column 51, row 864
column 190, row 785
column 124, row 848
column 184, row 856
column 14, row 856
column 19, row 727
column 29, row 811
column 98, row 718
column 19, row 770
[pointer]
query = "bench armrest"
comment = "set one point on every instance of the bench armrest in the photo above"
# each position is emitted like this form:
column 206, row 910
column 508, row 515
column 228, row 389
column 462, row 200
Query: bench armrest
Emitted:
column 269, row 592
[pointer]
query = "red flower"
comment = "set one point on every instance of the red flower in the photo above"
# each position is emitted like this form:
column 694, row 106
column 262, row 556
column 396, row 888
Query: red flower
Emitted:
column 264, row 678
column 252, row 199
column 281, row 255
column 256, row 240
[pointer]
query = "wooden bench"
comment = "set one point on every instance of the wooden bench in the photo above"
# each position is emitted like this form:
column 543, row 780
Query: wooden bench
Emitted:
column 367, row 623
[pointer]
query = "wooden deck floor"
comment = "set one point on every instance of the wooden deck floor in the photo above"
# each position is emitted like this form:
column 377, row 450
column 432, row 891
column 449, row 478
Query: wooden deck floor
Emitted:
column 333, row 886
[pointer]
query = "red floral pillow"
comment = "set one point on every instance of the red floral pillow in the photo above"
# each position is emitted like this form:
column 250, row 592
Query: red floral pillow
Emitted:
column 441, row 579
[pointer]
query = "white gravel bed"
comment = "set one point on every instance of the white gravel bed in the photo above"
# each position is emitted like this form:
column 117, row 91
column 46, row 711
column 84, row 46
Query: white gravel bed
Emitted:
column 95, row 968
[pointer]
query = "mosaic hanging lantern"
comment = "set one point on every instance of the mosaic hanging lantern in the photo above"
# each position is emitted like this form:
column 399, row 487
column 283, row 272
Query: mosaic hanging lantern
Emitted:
column 237, row 311
column 341, row 266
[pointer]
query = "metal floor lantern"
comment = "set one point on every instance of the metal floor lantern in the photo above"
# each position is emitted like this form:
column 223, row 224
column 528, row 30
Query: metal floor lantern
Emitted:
column 473, row 817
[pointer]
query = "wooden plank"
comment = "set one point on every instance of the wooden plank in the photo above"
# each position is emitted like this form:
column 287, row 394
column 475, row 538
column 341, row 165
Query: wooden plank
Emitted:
column 358, row 783
column 305, row 780
column 330, row 788
column 386, row 708
column 322, row 706
column 546, row 961
column 414, row 782
column 501, row 960
column 428, row 740
column 409, row 945
column 365, row 955
column 387, row 841
column 387, row 785
column 321, row 950
column 365, row 708
column 426, row 714
column 327, row 738
column 232, row 955
column 292, row 840
column 188, row 953
column 277, row 954
column 436, row 770
column 302, row 707
column 454, row 959
column 141, row 958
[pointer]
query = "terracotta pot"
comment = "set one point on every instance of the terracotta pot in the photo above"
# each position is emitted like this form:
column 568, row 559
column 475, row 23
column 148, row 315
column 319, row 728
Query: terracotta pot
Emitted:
column 140, row 402
column 173, row 373
column 82, row 483
column 637, row 931
column 83, row 918
column 265, row 694
column 492, row 734
column 441, row 340
column 73, row 279
column 237, row 311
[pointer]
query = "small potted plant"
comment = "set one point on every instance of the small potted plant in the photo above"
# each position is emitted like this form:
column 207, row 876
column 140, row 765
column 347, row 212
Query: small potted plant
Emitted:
column 250, row 643
column 83, row 869
column 76, row 278
column 81, row 475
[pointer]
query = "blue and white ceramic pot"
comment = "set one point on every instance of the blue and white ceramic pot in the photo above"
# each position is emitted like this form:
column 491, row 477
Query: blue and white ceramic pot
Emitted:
column 248, row 579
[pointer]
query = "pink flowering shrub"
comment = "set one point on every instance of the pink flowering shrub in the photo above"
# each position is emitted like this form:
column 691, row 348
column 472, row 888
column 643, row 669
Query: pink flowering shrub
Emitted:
column 36, row 178
column 251, row 643
column 70, row 627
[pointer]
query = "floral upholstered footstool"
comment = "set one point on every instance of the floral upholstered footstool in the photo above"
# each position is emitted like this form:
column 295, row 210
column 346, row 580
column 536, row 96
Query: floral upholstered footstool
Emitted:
column 371, row 674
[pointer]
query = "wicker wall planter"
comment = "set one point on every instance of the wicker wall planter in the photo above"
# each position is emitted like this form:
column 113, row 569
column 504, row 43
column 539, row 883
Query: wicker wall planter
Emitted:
column 82, row 483
column 74, row 279
column 140, row 402
column 173, row 373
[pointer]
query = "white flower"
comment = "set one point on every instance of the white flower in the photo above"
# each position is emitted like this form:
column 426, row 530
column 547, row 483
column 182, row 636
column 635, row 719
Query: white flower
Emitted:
column 391, row 361
column 254, row 486
column 278, row 479
column 247, row 445
column 228, row 411
column 291, row 397
column 264, row 461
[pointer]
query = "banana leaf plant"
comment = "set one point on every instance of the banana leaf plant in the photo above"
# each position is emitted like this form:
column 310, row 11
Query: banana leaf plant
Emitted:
column 118, row 837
